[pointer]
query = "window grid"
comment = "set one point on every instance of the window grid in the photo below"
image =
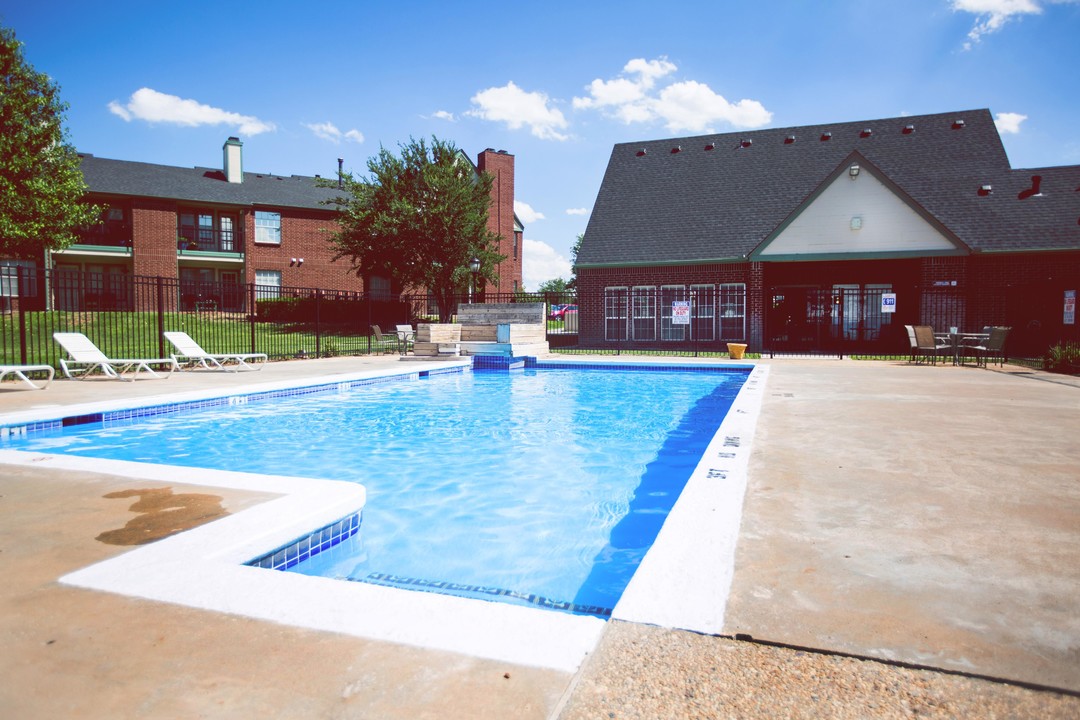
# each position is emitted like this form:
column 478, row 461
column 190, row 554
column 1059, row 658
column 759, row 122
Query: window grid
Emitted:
column 643, row 306
column 267, row 227
column 668, row 330
column 702, row 312
column 615, row 302
column 733, row 311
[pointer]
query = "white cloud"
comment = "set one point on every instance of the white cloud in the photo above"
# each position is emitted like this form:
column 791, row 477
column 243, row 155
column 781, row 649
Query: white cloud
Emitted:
column 1009, row 123
column 686, row 105
column 991, row 15
column 516, row 107
column 541, row 263
column 329, row 131
column 443, row 115
column 577, row 211
column 153, row 106
column 526, row 213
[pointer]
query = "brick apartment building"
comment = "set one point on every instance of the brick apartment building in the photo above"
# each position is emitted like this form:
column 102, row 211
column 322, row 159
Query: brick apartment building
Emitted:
column 226, row 228
column 830, row 236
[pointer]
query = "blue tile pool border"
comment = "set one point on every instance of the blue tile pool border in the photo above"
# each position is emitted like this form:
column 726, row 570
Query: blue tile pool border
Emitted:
column 309, row 545
column 111, row 418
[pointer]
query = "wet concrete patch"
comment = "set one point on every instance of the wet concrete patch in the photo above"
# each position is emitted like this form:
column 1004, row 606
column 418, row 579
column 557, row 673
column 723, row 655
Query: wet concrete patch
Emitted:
column 162, row 513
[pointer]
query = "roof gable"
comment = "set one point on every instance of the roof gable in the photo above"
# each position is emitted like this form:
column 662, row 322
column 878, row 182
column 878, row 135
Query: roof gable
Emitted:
column 857, row 213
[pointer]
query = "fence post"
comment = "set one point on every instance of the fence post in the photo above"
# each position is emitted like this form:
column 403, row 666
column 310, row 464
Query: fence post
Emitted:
column 161, row 316
column 318, row 334
column 251, row 315
column 20, row 293
column 367, row 301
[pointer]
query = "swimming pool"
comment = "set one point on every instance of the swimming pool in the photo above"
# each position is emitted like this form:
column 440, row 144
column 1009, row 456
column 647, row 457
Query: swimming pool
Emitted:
column 543, row 487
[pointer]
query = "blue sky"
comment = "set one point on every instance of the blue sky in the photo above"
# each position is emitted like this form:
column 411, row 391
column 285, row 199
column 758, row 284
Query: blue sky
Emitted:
column 554, row 83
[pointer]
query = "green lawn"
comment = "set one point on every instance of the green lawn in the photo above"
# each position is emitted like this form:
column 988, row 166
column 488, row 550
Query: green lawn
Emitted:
column 132, row 334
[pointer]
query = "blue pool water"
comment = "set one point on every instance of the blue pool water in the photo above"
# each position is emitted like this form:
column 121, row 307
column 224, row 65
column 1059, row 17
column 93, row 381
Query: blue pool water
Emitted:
column 543, row 487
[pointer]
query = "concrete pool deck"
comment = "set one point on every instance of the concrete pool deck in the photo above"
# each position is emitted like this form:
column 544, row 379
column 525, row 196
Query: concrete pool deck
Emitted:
column 928, row 515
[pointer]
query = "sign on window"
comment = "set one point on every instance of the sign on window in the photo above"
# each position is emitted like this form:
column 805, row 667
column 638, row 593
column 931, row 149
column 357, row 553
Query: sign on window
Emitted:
column 1070, row 307
column 680, row 312
column 888, row 302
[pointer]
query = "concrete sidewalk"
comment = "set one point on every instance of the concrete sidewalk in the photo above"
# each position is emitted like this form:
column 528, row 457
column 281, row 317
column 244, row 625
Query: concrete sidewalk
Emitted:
column 929, row 515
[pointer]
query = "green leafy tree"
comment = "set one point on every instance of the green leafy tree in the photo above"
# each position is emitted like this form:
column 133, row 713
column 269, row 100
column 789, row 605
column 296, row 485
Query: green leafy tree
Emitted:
column 419, row 219
column 41, row 185
column 558, row 285
column 572, row 284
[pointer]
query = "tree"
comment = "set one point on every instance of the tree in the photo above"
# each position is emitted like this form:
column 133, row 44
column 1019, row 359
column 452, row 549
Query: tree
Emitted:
column 419, row 219
column 41, row 185
column 558, row 285
column 572, row 285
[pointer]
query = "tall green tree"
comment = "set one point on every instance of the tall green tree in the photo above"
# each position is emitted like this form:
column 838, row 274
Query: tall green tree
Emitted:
column 572, row 284
column 41, row 185
column 419, row 218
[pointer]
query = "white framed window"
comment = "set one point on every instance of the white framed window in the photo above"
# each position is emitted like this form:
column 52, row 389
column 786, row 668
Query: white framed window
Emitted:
column 615, row 306
column 643, row 312
column 267, row 284
column 267, row 227
column 11, row 272
column 702, row 312
column 669, row 331
column 733, row 311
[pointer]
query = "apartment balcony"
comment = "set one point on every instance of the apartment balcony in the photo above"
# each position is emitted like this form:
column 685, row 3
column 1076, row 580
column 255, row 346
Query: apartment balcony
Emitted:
column 212, row 243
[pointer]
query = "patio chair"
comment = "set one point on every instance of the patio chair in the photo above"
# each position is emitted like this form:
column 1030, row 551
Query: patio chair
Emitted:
column 914, row 343
column 926, row 345
column 406, row 336
column 190, row 353
column 86, row 358
column 993, row 347
column 20, row 371
column 386, row 343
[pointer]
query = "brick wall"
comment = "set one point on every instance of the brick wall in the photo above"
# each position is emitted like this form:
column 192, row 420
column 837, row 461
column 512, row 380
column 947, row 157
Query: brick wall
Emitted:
column 153, row 244
column 304, row 234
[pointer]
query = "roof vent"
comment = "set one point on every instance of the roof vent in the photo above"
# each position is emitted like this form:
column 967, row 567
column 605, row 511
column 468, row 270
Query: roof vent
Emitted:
column 710, row 146
column 826, row 136
column 908, row 129
column 985, row 190
column 676, row 149
column 789, row 139
column 641, row 152
column 958, row 124
column 1033, row 191
column 866, row 132
column 746, row 143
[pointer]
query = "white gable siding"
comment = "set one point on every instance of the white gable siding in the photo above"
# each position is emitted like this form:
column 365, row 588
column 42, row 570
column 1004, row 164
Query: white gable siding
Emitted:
column 888, row 224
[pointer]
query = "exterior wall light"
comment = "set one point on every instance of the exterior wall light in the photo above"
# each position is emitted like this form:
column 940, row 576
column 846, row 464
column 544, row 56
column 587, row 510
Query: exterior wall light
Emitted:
column 853, row 171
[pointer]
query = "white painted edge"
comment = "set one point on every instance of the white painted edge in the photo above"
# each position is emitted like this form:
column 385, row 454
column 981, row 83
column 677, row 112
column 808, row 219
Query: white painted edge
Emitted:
column 685, row 578
column 202, row 568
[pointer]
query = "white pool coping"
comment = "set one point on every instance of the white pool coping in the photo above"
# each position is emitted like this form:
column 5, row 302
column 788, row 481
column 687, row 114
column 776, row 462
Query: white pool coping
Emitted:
column 683, row 581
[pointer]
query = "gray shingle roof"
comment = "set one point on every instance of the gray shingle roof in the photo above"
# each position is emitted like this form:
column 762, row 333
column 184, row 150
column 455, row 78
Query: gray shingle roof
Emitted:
column 697, row 204
column 202, row 185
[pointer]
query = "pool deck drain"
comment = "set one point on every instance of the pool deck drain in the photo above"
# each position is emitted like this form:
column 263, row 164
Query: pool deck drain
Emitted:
column 103, row 655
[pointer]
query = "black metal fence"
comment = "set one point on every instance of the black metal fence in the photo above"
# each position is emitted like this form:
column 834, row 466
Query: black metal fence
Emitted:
column 126, row 316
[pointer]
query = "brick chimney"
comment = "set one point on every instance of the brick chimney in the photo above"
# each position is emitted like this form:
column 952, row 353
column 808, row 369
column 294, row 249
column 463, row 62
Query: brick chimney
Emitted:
column 233, row 163
column 500, row 165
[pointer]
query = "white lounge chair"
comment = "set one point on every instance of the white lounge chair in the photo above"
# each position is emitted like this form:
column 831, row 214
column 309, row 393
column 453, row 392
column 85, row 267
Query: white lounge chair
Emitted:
column 86, row 358
column 189, row 352
column 20, row 371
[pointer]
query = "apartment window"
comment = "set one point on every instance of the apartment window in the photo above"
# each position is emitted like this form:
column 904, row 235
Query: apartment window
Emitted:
column 669, row 295
column 702, row 312
column 643, row 309
column 733, row 311
column 267, row 284
column 267, row 227
column 14, row 271
column 615, row 306
column 207, row 230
